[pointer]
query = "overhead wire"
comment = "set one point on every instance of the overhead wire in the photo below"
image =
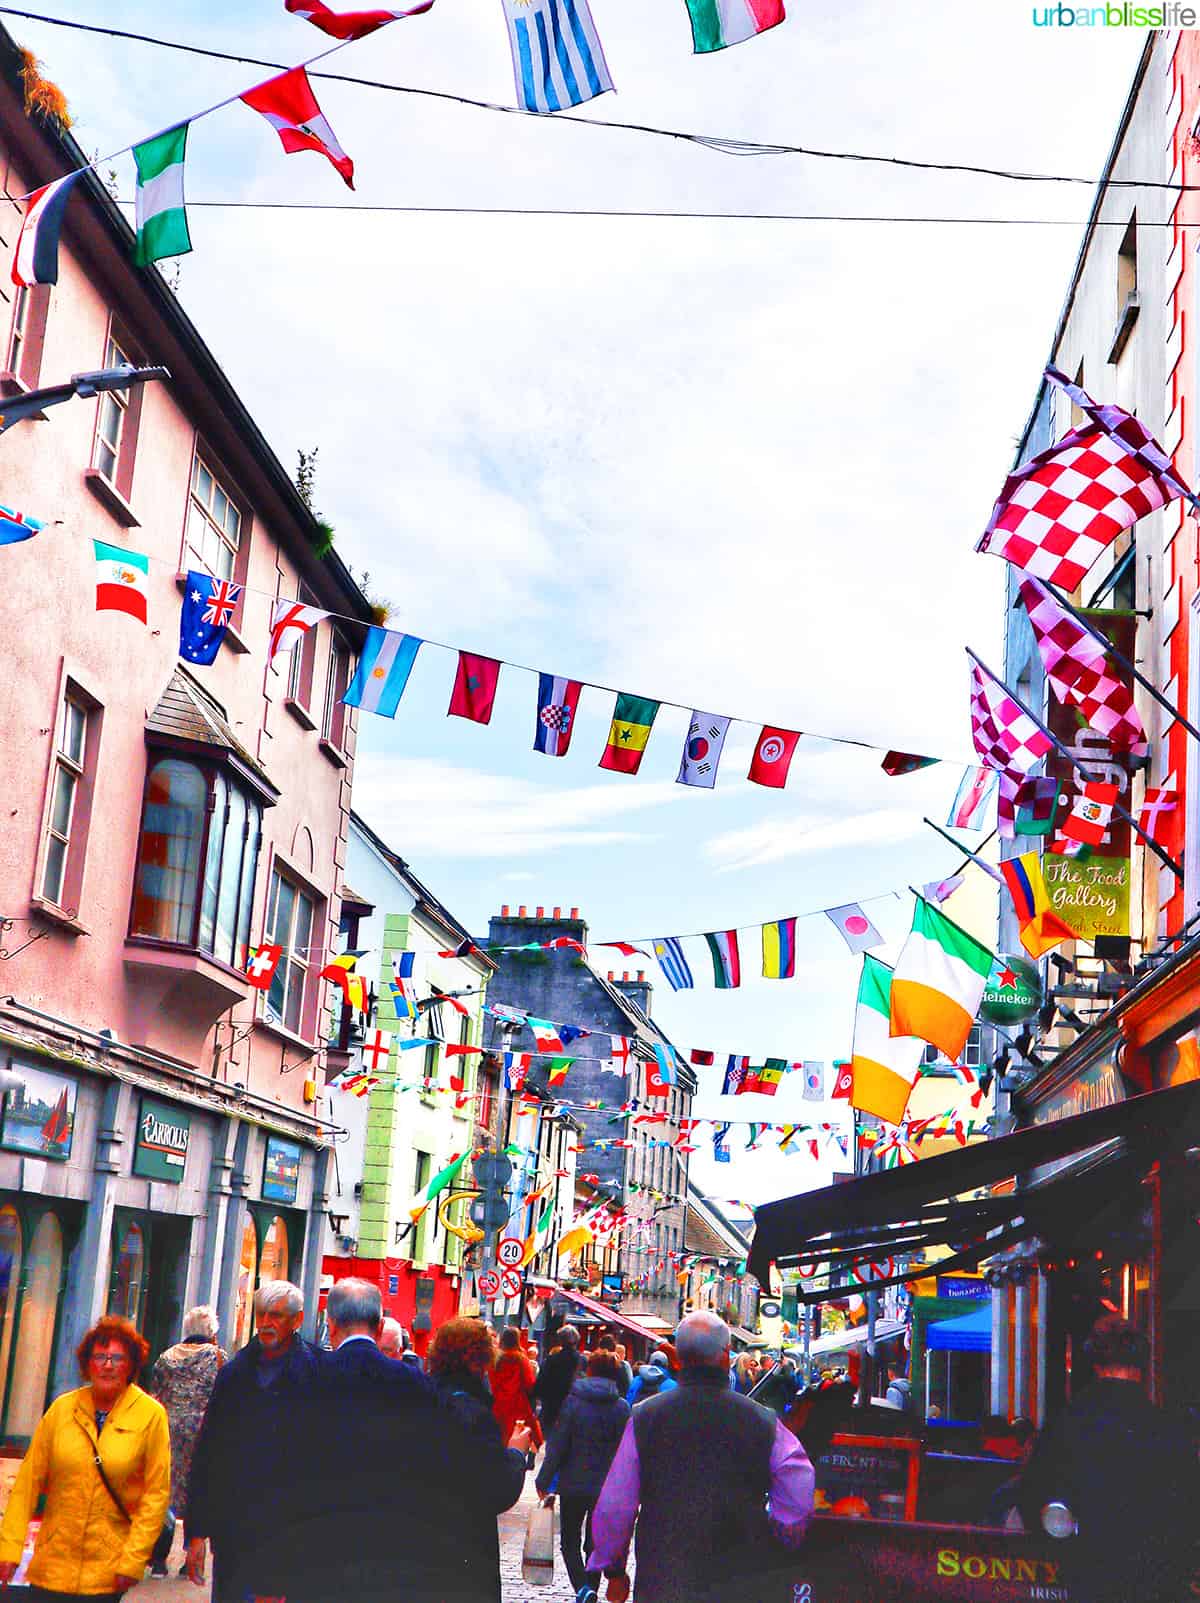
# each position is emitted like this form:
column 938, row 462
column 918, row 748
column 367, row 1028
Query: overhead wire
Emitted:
column 722, row 144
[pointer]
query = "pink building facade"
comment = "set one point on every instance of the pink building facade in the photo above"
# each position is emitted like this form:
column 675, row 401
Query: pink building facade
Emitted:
column 166, row 1141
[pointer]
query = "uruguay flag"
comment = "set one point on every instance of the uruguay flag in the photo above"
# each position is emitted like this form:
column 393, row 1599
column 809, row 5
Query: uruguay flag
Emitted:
column 557, row 57
column 383, row 670
column 558, row 702
column 36, row 260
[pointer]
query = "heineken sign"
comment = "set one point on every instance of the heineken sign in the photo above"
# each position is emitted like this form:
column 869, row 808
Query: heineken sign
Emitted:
column 163, row 1133
column 1013, row 991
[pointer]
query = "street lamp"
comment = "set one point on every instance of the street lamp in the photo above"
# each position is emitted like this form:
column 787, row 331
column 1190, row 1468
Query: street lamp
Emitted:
column 83, row 385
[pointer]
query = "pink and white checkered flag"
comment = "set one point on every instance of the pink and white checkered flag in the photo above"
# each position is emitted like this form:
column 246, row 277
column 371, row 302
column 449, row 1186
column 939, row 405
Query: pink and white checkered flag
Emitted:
column 1059, row 511
column 1077, row 668
column 1007, row 739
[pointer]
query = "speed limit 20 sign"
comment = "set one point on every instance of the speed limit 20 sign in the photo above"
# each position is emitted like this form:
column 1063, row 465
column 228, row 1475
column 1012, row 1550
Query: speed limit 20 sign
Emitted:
column 510, row 1251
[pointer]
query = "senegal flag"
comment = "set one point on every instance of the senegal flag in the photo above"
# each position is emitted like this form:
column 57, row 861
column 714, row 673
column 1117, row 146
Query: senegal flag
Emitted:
column 632, row 722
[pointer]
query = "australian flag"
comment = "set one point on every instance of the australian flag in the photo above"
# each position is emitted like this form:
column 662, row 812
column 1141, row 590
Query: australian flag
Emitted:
column 208, row 608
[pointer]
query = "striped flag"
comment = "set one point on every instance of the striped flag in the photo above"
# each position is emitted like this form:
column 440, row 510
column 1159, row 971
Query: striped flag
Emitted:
column 779, row 949
column 556, row 53
column 669, row 952
column 718, row 23
column 737, row 1070
column 558, row 703
column 939, row 980
column 727, row 965
column 633, row 718
column 969, row 808
column 383, row 669
column 121, row 580
column 162, row 226
column 884, row 1067
column 36, row 257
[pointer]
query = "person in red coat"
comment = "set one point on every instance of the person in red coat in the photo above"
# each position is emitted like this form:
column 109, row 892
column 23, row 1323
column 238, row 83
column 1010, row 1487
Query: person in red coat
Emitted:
column 512, row 1387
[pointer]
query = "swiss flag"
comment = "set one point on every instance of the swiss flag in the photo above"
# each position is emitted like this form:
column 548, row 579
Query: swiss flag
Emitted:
column 260, row 971
column 844, row 1083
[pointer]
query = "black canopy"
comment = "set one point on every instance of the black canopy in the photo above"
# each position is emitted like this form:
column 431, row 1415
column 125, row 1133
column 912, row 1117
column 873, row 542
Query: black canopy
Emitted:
column 901, row 1210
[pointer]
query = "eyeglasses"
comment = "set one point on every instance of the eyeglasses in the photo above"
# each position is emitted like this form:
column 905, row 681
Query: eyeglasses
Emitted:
column 110, row 1360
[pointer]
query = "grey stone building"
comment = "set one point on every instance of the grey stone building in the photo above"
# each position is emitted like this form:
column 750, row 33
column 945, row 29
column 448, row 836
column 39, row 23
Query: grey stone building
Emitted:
column 645, row 1174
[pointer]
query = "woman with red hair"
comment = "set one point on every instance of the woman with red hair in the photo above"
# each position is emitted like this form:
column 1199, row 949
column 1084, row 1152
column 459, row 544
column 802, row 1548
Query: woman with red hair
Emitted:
column 101, row 1457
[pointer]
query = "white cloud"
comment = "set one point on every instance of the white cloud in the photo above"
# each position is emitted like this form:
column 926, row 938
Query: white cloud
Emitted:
column 777, row 839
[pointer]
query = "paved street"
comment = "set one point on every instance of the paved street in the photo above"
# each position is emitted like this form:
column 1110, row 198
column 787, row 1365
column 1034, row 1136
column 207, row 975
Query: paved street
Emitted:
column 512, row 1534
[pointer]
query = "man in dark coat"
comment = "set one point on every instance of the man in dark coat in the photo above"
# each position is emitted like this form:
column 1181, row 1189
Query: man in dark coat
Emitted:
column 557, row 1376
column 714, row 1482
column 239, row 1492
column 582, row 1445
column 1129, row 1475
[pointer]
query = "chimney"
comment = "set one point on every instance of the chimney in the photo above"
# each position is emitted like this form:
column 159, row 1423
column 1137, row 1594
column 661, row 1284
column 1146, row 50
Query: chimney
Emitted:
column 521, row 911
column 625, row 977
column 611, row 975
column 641, row 974
column 574, row 912
column 541, row 913
column 504, row 911
column 557, row 913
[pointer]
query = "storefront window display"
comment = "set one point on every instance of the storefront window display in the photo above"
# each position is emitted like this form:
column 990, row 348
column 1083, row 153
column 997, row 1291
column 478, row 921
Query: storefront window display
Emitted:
column 243, row 1305
column 10, row 1282
column 129, row 1275
column 268, row 1252
column 41, row 1279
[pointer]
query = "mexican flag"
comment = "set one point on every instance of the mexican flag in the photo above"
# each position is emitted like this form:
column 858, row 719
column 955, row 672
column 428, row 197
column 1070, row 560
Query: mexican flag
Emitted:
column 162, row 228
column 939, row 980
column 122, row 577
column 436, row 1185
column 884, row 1068
column 717, row 23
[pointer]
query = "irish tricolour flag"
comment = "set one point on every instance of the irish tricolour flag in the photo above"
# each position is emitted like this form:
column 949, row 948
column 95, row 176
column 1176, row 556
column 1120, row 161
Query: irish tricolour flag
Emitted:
column 884, row 1068
column 939, row 980
column 121, row 580
column 162, row 228
column 717, row 23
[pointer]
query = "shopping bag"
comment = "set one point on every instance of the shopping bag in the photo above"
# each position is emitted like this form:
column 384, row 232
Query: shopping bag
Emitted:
column 537, row 1557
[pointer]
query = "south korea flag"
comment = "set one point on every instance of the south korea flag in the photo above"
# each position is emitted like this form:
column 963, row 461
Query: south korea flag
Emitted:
column 702, row 750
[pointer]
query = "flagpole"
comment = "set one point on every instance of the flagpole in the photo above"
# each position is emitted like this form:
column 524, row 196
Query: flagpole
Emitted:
column 1163, row 857
column 966, row 851
column 1123, row 661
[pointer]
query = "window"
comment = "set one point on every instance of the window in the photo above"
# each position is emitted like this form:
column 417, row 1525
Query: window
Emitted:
column 197, row 860
column 129, row 1275
column 291, row 916
column 333, row 724
column 243, row 1307
column 22, row 308
column 111, row 419
column 1127, row 266
column 422, row 1175
column 28, row 333
column 66, row 827
column 40, row 1284
column 302, row 659
column 214, row 523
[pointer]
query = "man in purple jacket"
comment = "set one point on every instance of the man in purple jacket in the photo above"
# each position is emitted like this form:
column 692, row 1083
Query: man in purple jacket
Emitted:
column 713, row 1481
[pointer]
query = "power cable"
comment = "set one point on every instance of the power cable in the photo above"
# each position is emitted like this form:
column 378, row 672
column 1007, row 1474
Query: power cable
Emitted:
column 720, row 143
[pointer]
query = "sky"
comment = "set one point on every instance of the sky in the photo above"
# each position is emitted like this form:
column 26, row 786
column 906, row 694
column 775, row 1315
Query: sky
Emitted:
column 738, row 465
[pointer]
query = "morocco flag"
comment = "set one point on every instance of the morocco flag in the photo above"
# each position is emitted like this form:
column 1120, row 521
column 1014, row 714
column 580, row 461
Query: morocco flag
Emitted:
column 289, row 105
column 474, row 688
column 349, row 25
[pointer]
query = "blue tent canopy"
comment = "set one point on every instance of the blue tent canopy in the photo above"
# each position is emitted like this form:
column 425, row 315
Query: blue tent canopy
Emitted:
column 968, row 1333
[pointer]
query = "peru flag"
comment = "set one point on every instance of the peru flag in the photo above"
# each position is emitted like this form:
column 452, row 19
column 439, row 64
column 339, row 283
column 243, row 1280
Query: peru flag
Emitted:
column 347, row 25
column 474, row 688
column 289, row 105
column 1090, row 815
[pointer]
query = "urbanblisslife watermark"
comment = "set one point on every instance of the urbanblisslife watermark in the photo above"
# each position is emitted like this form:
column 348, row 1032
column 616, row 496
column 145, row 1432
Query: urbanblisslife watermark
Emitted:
column 1170, row 14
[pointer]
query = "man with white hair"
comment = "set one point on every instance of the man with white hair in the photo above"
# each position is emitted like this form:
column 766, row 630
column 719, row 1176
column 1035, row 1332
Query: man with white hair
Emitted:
column 393, row 1340
column 712, row 1480
column 238, row 1495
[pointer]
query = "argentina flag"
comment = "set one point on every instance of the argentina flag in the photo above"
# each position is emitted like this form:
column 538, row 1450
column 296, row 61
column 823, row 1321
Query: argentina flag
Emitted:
column 557, row 57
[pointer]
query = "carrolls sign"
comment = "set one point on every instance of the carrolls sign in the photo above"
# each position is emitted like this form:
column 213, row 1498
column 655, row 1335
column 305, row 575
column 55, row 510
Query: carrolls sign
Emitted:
column 163, row 1133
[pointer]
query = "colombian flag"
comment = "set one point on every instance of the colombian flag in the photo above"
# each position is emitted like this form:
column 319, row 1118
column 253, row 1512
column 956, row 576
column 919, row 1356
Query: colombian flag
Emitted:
column 1041, row 927
column 779, row 949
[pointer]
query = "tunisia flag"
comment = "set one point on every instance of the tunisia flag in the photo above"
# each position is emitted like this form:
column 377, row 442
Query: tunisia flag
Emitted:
column 347, row 25
column 474, row 688
column 844, row 1083
column 289, row 105
column 773, row 756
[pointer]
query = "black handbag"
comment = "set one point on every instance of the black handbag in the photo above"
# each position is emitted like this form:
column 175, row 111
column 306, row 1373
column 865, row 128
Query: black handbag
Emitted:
column 166, row 1536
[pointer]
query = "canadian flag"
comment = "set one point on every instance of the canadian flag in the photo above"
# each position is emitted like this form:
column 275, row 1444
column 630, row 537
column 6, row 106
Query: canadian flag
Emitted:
column 1090, row 815
column 261, row 969
column 289, row 105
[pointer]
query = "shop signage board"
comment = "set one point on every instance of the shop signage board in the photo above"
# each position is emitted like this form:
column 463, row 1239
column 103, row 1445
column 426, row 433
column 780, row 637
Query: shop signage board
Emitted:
column 958, row 1288
column 1099, row 1085
column 161, row 1146
column 39, row 1116
column 1013, row 991
column 281, row 1170
column 1091, row 896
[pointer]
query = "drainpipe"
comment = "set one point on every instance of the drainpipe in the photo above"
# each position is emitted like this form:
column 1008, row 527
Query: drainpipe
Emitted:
column 1043, row 1310
column 1000, row 1349
column 1021, row 1356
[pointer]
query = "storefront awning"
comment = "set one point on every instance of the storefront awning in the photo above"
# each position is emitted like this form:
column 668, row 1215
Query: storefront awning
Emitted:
column 902, row 1211
column 596, row 1310
column 652, row 1325
column 969, row 1333
column 841, row 1341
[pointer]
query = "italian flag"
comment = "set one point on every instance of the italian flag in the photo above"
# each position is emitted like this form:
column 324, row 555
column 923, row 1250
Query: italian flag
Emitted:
column 939, row 980
column 162, row 228
column 884, row 1067
column 121, row 580
column 436, row 1185
column 717, row 23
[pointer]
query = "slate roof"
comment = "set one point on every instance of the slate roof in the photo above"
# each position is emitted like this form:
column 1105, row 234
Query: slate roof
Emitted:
column 187, row 713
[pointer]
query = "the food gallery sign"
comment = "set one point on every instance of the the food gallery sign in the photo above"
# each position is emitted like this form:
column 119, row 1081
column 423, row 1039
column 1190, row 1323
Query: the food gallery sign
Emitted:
column 163, row 1132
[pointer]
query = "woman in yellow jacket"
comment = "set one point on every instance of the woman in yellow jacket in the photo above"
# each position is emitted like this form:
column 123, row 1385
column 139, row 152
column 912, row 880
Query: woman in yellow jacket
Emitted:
column 93, row 1545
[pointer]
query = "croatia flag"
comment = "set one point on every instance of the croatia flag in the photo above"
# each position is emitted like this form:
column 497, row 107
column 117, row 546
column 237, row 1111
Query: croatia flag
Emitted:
column 36, row 259
column 558, row 702
column 289, row 105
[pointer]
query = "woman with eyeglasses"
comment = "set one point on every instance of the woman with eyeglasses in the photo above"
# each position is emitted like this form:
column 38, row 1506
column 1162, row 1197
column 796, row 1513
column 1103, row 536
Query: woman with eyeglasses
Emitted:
column 101, row 1455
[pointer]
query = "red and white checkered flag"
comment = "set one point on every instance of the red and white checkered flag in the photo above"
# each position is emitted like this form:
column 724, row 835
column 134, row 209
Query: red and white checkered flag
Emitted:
column 1154, row 804
column 1077, row 668
column 1066, row 505
column 1006, row 739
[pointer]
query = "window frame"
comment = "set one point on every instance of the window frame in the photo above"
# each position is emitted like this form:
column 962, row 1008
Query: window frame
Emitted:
column 118, row 348
column 301, row 667
column 309, row 1009
column 202, row 460
column 83, row 770
column 26, row 337
column 210, row 772
column 335, row 717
